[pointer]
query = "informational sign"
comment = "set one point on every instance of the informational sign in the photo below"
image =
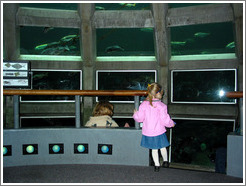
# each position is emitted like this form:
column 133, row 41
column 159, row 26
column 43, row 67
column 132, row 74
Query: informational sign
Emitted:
column 16, row 74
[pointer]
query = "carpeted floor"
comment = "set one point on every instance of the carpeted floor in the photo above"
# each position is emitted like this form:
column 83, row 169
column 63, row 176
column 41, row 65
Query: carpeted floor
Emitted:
column 109, row 174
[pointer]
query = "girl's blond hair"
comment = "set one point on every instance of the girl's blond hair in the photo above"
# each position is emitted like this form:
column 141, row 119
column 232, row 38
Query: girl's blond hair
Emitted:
column 153, row 89
column 103, row 108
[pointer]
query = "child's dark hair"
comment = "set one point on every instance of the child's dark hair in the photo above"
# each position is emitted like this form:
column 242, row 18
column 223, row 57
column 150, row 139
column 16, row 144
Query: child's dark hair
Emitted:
column 103, row 108
column 153, row 89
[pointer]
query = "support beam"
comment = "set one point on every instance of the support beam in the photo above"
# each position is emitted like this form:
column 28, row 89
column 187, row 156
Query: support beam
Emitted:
column 47, row 17
column 202, row 14
column 123, row 19
column 77, row 111
column 16, row 102
column 136, row 106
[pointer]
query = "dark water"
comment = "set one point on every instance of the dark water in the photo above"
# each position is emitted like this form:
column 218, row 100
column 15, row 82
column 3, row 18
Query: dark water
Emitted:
column 196, row 141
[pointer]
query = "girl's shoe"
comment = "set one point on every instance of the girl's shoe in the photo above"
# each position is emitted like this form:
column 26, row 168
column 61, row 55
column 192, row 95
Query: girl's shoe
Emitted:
column 157, row 168
column 165, row 164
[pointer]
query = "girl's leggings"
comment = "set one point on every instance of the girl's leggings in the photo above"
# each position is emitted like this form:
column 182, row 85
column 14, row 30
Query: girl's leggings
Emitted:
column 155, row 155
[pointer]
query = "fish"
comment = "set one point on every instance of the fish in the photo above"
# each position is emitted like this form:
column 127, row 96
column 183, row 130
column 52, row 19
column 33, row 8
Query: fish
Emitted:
column 55, row 50
column 6, row 82
column 128, row 4
column 146, row 29
column 47, row 29
column 8, row 65
column 114, row 48
column 201, row 34
column 137, row 86
column 17, row 66
column 69, row 38
column 100, row 8
column 179, row 43
column 41, row 47
column 231, row 45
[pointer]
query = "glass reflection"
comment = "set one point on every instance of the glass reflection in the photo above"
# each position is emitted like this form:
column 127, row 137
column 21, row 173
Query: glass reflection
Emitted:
column 203, row 86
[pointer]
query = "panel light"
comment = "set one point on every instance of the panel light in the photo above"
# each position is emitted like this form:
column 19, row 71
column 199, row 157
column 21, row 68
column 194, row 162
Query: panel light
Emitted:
column 105, row 149
column 56, row 148
column 29, row 149
column 81, row 148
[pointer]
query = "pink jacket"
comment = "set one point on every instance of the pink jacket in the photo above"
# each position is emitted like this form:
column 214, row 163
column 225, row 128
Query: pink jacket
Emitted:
column 155, row 118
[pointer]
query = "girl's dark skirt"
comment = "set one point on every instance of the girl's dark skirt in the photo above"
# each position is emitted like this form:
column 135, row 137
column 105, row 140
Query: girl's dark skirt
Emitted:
column 155, row 142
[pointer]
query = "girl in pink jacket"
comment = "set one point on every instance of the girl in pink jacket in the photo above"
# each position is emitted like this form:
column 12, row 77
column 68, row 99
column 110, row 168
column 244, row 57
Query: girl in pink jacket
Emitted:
column 153, row 114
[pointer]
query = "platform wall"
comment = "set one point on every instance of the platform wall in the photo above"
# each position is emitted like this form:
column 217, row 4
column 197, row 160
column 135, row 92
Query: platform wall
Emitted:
column 126, row 149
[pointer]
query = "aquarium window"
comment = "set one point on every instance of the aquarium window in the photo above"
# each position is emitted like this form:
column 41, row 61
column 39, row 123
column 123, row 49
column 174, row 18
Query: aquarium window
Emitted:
column 137, row 42
column 179, row 5
column 61, row 6
column 122, row 120
column 49, row 41
column 47, row 121
column 195, row 142
column 123, row 80
column 208, row 86
column 122, row 6
column 54, row 80
column 203, row 39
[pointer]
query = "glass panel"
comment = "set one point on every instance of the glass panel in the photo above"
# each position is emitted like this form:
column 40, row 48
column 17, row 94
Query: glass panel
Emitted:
column 202, row 39
column 122, row 6
column 63, row 6
column 49, row 41
column 54, row 80
column 121, row 121
column 123, row 80
column 203, row 86
column 49, row 122
column 196, row 142
column 125, row 42
column 178, row 5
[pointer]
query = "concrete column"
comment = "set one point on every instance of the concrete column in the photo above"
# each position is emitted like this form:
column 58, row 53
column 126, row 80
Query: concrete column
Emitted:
column 88, row 51
column 11, row 32
column 238, row 30
column 162, row 40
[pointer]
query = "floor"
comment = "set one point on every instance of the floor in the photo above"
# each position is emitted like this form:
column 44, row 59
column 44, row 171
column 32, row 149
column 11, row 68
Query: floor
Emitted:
column 90, row 173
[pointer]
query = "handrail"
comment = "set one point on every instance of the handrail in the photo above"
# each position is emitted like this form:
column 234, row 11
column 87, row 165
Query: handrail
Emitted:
column 77, row 92
column 235, row 94
column 16, row 93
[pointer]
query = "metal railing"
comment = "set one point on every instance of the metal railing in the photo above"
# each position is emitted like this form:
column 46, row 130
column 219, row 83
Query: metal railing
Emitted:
column 77, row 93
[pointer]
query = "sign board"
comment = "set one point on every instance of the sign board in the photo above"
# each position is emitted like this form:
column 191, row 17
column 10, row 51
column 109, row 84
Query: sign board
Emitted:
column 16, row 74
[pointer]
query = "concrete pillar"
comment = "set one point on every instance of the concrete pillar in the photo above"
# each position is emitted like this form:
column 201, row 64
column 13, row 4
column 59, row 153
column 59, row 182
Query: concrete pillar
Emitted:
column 88, row 51
column 11, row 32
column 162, row 40
column 238, row 30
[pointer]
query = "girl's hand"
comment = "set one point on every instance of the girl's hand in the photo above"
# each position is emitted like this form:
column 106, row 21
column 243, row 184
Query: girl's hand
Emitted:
column 135, row 110
column 174, row 124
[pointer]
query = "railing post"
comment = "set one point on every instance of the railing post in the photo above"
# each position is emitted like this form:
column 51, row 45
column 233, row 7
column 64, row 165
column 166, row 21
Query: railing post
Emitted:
column 241, row 115
column 136, row 105
column 77, row 111
column 16, row 105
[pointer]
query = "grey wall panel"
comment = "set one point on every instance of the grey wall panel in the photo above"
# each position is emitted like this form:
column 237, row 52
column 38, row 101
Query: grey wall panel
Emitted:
column 125, row 142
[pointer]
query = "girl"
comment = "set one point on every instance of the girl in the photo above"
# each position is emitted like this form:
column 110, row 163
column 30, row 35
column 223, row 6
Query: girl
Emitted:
column 153, row 113
column 102, row 116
